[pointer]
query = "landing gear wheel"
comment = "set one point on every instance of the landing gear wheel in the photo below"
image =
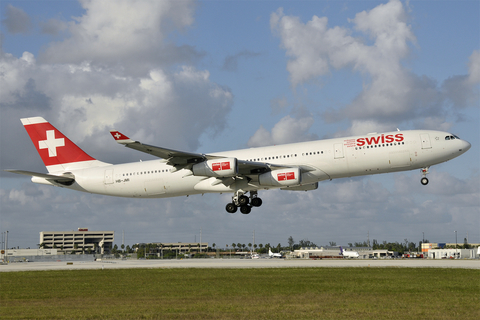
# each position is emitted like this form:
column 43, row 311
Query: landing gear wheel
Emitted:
column 245, row 209
column 231, row 208
column 243, row 200
column 424, row 181
column 256, row 202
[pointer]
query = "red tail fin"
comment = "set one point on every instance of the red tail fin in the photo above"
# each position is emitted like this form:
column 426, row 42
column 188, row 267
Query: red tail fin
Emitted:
column 54, row 148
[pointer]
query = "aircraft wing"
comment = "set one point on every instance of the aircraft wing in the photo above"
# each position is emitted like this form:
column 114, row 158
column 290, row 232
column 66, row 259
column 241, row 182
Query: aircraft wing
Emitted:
column 182, row 158
column 174, row 157
column 65, row 178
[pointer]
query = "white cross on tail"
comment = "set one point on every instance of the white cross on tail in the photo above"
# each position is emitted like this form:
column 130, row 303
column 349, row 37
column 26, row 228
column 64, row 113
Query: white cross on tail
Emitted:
column 51, row 143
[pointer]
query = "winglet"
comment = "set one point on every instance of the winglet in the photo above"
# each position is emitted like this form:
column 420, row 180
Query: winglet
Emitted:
column 120, row 137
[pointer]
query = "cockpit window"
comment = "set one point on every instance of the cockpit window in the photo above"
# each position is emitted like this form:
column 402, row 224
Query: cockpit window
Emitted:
column 452, row 137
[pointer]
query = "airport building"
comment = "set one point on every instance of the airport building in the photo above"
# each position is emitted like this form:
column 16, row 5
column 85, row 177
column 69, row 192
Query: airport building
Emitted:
column 453, row 253
column 180, row 247
column 334, row 252
column 76, row 242
column 7, row 255
column 441, row 245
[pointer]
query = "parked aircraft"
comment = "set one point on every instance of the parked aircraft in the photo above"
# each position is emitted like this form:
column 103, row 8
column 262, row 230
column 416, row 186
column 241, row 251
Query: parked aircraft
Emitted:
column 274, row 255
column 348, row 254
column 292, row 167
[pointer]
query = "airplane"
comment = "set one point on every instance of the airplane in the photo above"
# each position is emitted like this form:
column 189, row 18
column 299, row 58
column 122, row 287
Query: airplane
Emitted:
column 293, row 167
column 274, row 255
column 348, row 254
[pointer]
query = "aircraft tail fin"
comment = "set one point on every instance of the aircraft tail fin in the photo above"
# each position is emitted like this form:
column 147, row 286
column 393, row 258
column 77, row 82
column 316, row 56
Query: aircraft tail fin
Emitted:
column 341, row 250
column 58, row 153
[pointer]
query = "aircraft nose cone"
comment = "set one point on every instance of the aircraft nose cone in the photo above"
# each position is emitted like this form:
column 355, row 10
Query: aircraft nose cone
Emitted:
column 466, row 146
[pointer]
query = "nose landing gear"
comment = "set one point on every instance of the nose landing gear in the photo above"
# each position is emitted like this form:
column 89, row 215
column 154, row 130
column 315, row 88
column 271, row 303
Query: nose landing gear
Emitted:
column 424, row 179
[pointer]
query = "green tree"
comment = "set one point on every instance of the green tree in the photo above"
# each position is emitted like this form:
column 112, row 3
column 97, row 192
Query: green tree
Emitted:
column 123, row 247
column 304, row 243
column 234, row 245
column 291, row 242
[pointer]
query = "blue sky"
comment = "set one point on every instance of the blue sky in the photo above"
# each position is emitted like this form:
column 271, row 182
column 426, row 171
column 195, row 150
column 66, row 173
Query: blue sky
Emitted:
column 219, row 75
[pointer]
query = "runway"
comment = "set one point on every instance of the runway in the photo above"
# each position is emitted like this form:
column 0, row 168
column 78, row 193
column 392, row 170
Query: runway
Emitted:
column 241, row 263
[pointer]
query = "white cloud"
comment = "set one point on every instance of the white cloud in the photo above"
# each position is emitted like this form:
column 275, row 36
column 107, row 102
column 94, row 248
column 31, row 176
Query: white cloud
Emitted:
column 89, row 83
column 474, row 67
column 391, row 93
column 53, row 26
column 287, row 130
column 85, row 101
column 17, row 20
column 130, row 33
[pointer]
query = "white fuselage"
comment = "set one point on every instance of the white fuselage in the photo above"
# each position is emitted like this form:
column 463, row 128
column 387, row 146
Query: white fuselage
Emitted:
column 326, row 159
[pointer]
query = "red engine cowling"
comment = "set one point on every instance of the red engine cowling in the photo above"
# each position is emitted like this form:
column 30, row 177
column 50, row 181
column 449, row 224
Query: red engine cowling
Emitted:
column 224, row 167
column 283, row 177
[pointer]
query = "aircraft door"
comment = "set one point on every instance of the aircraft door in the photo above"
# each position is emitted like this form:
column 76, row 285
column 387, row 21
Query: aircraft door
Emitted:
column 338, row 150
column 155, row 187
column 108, row 179
column 425, row 139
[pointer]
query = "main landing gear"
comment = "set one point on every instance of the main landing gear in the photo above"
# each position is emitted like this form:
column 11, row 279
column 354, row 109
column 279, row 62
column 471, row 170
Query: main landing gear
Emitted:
column 245, row 203
column 424, row 179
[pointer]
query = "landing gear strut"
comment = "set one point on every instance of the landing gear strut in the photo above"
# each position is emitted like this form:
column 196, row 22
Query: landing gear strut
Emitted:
column 245, row 203
column 424, row 179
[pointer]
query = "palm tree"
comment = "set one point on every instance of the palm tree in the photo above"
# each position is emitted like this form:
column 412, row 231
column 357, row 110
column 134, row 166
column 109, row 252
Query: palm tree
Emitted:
column 234, row 245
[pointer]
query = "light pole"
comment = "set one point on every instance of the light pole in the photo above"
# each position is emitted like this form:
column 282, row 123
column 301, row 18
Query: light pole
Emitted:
column 455, row 244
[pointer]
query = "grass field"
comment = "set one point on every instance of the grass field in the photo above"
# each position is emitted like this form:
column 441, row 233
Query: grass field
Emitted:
column 287, row 293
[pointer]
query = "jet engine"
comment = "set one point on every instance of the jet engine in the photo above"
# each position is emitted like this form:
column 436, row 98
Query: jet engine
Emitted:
column 283, row 177
column 224, row 167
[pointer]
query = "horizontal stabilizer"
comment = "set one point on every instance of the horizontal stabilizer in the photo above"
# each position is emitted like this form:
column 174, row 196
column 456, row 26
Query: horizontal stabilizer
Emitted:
column 65, row 178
